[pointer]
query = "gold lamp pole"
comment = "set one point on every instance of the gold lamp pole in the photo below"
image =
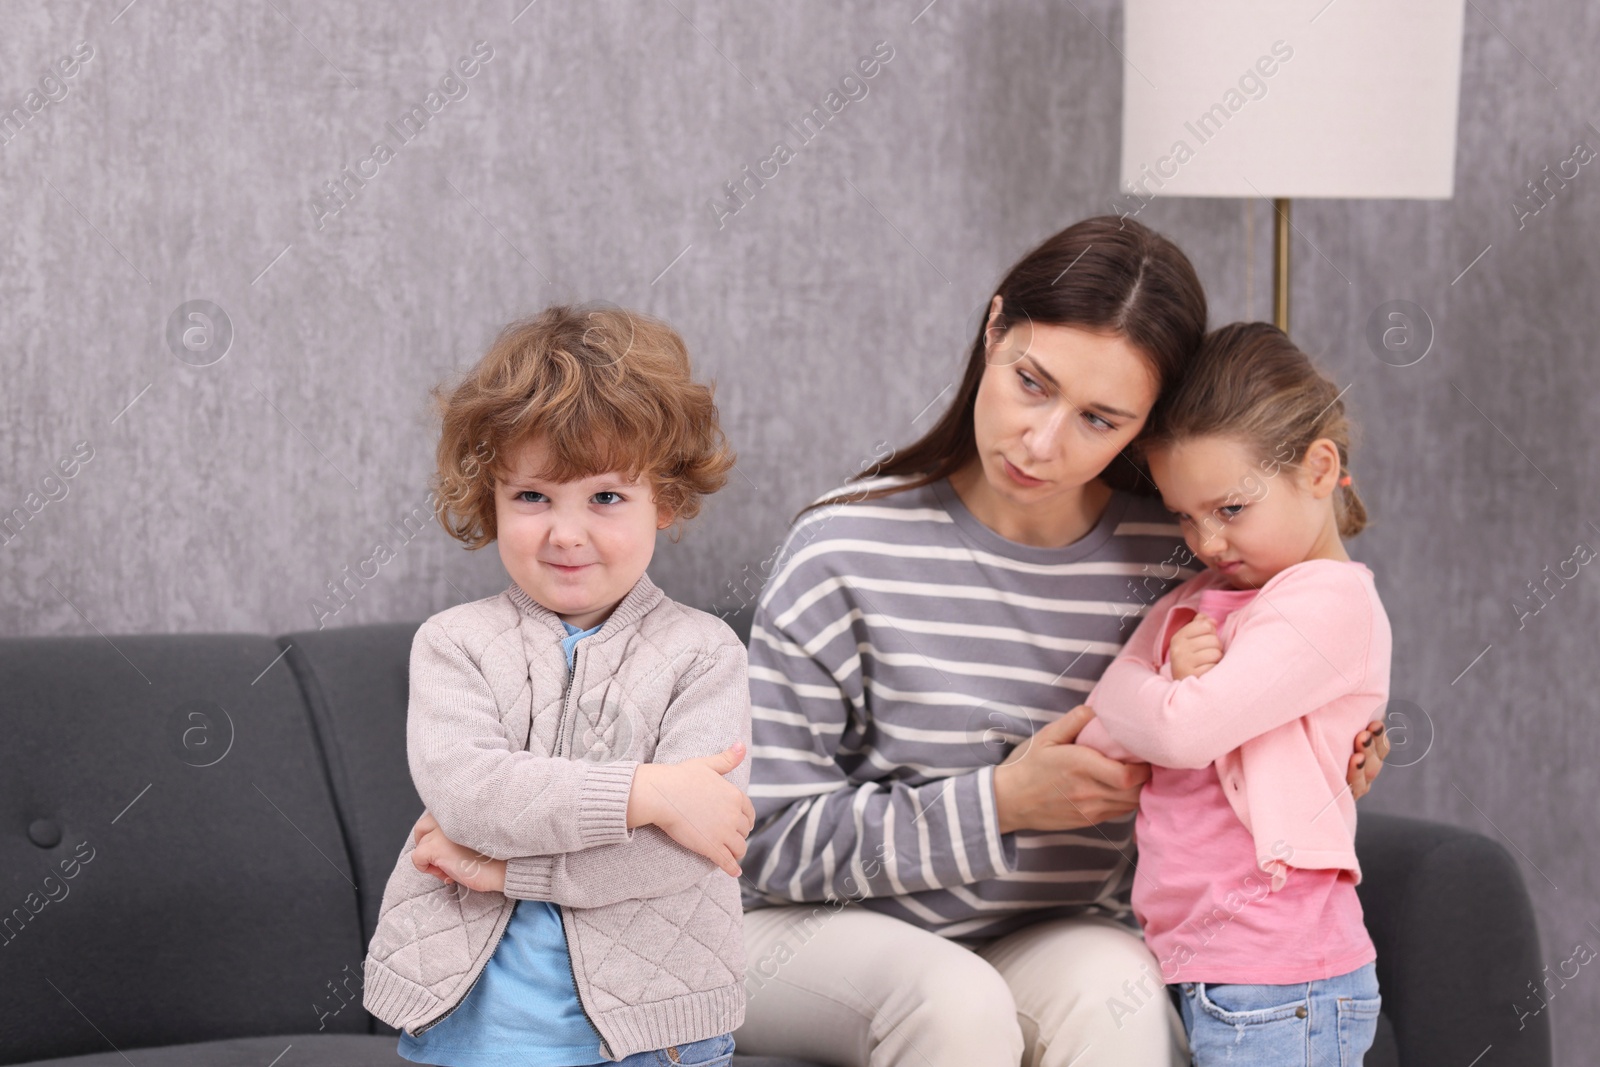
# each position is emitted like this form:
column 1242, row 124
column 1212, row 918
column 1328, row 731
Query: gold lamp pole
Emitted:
column 1280, row 265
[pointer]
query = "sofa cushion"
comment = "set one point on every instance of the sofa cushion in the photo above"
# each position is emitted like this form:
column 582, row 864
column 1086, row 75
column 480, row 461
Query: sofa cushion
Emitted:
column 172, row 869
column 1457, row 942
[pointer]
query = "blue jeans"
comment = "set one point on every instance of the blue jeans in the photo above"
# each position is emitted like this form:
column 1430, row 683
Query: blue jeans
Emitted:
column 708, row 1052
column 1326, row 1023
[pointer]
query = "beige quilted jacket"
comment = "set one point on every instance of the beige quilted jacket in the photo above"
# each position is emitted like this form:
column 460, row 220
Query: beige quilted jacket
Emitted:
column 514, row 761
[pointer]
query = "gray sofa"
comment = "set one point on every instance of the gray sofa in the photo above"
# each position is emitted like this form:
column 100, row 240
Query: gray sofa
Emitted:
column 198, row 829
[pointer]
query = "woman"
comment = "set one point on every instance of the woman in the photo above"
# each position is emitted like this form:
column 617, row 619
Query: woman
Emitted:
column 915, row 660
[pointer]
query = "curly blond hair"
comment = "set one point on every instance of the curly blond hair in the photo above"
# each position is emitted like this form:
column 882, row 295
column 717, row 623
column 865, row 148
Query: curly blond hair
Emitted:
column 608, row 389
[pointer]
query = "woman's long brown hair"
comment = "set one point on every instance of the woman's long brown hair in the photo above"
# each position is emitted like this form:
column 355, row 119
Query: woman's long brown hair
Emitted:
column 1103, row 273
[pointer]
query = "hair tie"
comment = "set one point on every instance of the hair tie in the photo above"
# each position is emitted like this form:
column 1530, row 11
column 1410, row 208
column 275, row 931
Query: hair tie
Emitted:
column 1345, row 480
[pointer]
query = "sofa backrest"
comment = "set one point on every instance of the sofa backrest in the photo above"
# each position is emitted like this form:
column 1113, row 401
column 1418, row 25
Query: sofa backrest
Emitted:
column 172, row 869
column 355, row 681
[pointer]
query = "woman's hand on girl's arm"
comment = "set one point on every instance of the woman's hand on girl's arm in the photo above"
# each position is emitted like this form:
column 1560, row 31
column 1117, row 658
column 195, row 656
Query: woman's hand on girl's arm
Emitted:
column 1372, row 748
column 1049, row 783
column 696, row 806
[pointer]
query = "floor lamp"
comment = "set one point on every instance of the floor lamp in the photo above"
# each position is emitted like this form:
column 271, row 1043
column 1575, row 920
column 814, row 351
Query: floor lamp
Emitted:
column 1281, row 100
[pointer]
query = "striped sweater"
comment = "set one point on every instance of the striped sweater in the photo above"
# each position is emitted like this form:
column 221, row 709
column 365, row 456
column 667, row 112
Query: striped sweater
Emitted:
column 899, row 651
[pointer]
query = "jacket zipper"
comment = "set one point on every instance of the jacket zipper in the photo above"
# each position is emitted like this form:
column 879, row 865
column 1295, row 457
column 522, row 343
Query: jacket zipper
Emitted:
column 562, row 728
column 566, row 700
column 424, row 1029
column 605, row 1049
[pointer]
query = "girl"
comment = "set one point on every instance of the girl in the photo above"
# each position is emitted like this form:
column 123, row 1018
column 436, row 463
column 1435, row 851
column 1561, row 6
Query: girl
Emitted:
column 1241, row 687
column 569, row 896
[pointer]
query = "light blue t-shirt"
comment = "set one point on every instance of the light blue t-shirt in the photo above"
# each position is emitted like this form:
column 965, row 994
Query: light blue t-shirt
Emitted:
column 524, row 1010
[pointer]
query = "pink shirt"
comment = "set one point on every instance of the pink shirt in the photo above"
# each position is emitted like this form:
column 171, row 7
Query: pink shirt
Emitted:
column 1215, row 897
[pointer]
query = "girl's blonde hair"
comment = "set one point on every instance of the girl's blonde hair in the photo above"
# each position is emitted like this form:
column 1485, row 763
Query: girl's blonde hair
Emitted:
column 1250, row 383
column 608, row 389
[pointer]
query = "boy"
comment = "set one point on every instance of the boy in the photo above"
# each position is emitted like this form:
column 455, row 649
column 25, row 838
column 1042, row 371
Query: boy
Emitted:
column 569, row 896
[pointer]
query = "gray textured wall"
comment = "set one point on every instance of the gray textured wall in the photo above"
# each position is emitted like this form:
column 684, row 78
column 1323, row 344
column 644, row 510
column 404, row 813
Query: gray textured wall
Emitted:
column 186, row 160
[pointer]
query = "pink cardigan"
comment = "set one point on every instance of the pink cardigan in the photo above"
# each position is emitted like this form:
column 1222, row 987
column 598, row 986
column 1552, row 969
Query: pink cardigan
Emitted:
column 1306, row 667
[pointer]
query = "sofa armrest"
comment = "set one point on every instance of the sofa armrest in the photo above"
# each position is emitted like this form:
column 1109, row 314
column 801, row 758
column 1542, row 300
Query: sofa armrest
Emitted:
column 1457, row 943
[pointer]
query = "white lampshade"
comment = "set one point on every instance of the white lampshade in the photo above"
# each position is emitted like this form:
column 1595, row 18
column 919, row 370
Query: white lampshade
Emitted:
column 1244, row 98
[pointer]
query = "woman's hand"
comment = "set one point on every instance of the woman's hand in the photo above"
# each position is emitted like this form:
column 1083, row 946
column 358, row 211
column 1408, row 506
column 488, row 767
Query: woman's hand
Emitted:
column 1372, row 748
column 441, row 857
column 1049, row 783
column 696, row 806
column 1195, row 648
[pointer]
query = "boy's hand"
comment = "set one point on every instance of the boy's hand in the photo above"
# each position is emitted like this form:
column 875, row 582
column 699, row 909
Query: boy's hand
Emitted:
column 695, row 806
column 426, row 824
column 1195, row 648
column 441, row 857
